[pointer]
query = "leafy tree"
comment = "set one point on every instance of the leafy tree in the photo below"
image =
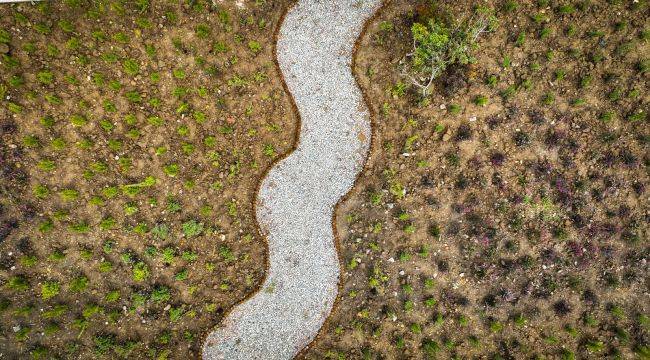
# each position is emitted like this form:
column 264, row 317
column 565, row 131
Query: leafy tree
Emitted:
column 437, row 45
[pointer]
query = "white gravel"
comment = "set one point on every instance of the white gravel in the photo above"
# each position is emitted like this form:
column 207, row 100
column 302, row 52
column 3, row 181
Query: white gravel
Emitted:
column 296, row 200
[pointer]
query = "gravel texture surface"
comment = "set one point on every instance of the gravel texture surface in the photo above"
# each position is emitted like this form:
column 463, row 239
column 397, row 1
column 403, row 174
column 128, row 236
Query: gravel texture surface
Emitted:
column 297, row 198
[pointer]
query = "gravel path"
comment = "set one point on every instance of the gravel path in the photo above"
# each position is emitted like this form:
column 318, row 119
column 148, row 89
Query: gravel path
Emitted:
column 296, row 200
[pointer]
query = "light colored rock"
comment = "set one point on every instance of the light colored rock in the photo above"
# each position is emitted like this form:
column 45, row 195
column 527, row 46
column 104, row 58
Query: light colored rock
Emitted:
column 296, row 200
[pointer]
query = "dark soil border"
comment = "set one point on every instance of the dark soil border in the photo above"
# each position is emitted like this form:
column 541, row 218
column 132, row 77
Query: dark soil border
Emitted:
column 294, row 108
column 302, row 354
column 254, row 203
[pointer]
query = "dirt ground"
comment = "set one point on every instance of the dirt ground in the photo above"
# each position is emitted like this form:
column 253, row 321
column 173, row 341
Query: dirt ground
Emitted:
column 503, row 217
column 134, row 135
column 516, row 229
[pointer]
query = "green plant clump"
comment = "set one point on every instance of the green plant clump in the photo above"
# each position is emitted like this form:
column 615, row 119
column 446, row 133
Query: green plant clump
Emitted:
column 437, row 45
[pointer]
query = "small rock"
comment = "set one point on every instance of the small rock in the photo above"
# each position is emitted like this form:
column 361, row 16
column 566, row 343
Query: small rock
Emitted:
column 4, row 48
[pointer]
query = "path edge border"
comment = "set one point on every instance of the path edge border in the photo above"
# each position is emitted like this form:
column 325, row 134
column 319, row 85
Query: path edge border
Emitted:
column 292, row 149
column 302, row 354
column 296, row 139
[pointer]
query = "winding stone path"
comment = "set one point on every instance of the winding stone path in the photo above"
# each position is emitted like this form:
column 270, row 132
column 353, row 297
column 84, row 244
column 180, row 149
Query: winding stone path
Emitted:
column 297, row 198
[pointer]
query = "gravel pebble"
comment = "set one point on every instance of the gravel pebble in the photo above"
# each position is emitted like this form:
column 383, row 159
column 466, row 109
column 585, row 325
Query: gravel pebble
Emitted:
column 296, row 199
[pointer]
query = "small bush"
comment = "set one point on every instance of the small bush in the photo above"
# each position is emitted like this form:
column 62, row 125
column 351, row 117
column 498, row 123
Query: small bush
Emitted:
column 437, row 45
column 50, row 289
column 192, row 228
column 140, row 271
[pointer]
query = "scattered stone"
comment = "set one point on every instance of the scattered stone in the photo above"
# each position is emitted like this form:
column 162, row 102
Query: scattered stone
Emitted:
column 297, row 198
